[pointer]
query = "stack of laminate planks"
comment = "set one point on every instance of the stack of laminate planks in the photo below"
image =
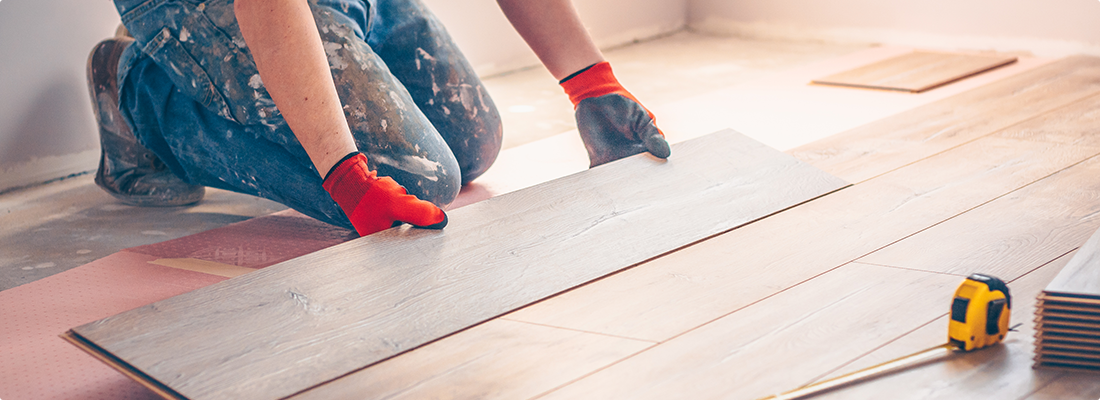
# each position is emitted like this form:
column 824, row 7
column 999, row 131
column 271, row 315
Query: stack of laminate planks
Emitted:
column 1068, row 314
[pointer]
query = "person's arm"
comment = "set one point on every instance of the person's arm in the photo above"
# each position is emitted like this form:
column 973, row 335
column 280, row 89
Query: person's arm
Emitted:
column 554, row 32
column 286, row 47
column 610, row 120
column 289, row 55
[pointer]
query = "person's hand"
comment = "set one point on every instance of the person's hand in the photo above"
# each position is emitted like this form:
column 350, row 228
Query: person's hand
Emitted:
column 612, row 123
column 375, row 204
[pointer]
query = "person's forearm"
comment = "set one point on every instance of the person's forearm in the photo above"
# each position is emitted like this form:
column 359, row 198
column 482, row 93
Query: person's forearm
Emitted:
column 554, row 31
column 284, row 42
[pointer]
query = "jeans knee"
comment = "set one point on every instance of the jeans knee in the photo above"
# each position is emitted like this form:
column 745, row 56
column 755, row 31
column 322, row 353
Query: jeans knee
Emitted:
column 435, row 178
column 478, row 149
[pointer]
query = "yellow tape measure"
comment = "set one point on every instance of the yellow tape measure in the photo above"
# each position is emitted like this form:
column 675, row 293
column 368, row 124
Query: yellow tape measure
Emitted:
column 980, row 313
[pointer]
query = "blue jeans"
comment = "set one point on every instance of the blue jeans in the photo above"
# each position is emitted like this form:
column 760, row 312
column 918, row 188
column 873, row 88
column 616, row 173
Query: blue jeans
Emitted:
column 191, row 94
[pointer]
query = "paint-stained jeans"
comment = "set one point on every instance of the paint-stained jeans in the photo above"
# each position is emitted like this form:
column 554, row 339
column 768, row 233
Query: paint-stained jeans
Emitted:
column 191, row 93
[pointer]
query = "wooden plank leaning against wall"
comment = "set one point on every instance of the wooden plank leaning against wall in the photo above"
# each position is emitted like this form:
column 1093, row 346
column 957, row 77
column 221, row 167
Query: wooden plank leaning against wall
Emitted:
column 730, row 272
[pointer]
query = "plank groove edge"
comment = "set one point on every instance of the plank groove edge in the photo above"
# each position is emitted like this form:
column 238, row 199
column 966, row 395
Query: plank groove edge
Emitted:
column 291, row 326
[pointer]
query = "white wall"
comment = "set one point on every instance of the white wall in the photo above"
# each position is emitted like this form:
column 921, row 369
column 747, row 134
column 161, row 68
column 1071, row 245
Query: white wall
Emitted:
column 480, row 29
column 1045, row 28
column 46, row 125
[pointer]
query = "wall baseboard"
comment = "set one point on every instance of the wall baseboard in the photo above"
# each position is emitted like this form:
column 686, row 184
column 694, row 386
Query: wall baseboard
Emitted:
column 47, row 169
column 784, row 31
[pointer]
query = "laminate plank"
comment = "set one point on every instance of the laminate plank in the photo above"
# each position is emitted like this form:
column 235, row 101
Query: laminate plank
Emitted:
column 1061, row 312
column 1068, row 323
column 288, row 327
column 1059, row 361
column 1071, row 385
column 460, row 368
column 779, row 343
column 998, row 372
column 1082, row 276
column 1066, row 346
column 1034, row 224
column 878, row 147
column 917, row 71
column 1071, row 332
column 1067, row 317
column 690, row 287
column 1059, row 299
column 1066, row 338
column 1075, row 123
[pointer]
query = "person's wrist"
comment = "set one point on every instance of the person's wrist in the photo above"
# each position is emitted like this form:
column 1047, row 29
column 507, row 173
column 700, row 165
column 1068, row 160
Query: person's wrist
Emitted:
column 593, row 81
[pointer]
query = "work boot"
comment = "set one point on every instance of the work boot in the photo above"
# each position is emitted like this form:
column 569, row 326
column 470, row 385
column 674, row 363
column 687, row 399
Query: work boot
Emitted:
column 127, row 170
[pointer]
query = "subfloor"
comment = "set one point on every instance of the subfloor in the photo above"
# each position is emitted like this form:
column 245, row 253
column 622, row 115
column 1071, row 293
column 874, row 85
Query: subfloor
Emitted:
column 51, row 228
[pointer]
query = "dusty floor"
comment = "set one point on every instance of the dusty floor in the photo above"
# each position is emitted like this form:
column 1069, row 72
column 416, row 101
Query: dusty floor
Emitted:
column 50, row 228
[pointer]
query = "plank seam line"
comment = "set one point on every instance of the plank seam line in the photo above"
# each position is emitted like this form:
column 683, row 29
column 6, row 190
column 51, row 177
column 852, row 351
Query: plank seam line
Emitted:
column 577, row 330
column 991, row 133
column 1043, row 265
column 995, row 198
column 689, row 330
column 353, row 371
column 643, row 263
column 930, row 322
column 865, row 354
column 823, row 273
column 905, row 268
column 597, row 370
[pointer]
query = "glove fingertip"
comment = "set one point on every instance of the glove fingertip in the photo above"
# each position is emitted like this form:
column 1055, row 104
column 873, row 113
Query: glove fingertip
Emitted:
column 657, row 145
column 437, row 225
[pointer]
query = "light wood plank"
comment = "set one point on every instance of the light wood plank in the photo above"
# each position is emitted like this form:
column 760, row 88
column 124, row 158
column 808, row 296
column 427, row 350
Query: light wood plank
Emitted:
column 695, row 285
column 781, row 342
column 286, row 328
column 1081, row 277
column 1034, row 224
column 890, row 143
column 1076, row 123
column 1072, row 385
column 461, row 367
column 206, row 267
column 917, row 71
column 1001, row 372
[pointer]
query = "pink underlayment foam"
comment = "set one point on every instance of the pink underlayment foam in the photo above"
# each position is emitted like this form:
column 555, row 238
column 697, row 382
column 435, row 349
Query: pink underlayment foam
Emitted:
column 36, row 364
column 254, row 243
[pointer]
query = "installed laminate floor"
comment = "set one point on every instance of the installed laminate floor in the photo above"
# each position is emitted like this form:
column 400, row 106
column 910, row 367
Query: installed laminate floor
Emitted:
column 999, row 179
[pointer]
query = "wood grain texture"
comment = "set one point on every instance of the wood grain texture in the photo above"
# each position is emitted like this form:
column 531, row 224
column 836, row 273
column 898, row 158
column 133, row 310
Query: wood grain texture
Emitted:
column 690, row 287
column 1076, row 123
column 1070, row 386
column 1070, row 302
column 463, row 367
column 890, row 143
column 779, row 343
column 1081, row 277
column 1085, row 315
column 286, row 328
column 1000, row 372
column 1010, row 235
column 917, row 71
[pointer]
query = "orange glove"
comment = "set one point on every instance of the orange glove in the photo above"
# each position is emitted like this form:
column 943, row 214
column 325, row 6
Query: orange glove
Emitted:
column 612, row 123
column 375, row 204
